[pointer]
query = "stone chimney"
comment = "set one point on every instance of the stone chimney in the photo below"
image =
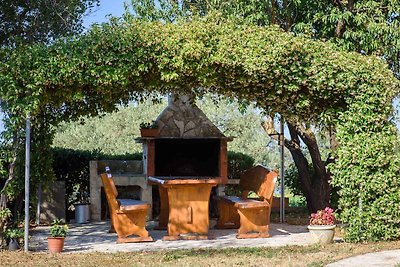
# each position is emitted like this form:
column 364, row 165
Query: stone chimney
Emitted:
column 182, row 118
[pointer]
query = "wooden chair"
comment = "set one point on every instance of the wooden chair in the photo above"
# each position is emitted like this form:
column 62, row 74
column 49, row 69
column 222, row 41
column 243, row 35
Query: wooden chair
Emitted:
column 128, row 216
column 251, row 216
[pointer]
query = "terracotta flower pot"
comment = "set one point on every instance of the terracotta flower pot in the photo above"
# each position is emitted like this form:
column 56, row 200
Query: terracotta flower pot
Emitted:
column 322, row 234
column 145, row 132
column 55, row 244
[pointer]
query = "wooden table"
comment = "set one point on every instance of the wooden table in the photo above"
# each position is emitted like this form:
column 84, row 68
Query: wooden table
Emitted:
column 184, row 207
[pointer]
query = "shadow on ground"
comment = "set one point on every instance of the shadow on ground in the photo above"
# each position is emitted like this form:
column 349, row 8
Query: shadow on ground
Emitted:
column 96, row 237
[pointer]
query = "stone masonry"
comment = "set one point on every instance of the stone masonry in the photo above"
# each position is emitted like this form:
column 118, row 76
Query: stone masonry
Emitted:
column 125, row 173
column 182, row 118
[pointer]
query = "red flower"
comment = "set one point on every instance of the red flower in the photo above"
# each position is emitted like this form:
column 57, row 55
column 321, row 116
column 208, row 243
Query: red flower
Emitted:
column 323, row 217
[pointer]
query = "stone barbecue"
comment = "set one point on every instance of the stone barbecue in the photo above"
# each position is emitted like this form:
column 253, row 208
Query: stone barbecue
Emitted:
column 188, row 144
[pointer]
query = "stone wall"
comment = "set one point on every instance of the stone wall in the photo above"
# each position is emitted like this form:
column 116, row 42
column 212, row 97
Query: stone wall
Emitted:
column 52, row 205
column 125, row 173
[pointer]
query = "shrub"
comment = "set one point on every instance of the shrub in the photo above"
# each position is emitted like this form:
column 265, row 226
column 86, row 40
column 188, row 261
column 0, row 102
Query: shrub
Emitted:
column 4, row 214
column 367, row 170
column 238, row 163
column 292, row 180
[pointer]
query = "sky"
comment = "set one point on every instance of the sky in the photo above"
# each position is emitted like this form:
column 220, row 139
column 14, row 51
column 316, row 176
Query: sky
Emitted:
column 107, row 7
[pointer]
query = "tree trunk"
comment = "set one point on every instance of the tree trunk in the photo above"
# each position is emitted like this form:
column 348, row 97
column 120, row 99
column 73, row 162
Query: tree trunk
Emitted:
column 340, row 25
column 273, row 12
column 315, row 183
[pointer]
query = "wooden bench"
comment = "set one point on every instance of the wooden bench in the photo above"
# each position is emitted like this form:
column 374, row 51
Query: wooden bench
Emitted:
column 128, row 216
column 250, row 215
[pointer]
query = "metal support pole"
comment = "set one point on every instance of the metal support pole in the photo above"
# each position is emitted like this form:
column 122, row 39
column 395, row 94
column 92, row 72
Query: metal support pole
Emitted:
column 39, row 202
column 282, row 168
column 27, row 167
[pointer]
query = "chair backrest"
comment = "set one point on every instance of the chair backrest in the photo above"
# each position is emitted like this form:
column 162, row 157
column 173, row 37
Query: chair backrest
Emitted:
column 259, row 180
column 110, row 191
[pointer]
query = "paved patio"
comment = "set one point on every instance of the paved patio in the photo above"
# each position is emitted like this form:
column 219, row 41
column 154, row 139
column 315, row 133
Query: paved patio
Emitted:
column 95, row 237
column 389, row 258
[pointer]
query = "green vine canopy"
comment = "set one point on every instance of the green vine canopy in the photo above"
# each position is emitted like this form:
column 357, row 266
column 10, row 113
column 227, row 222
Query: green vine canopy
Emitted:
column 297, row 77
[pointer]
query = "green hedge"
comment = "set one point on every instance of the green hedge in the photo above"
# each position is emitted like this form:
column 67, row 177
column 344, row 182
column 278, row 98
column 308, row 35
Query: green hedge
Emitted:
column 367, row 171
column 238, row 163
column 72, row 166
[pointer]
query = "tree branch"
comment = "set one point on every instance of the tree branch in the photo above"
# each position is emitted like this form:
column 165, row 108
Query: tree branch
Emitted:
column 308, row 137
column 269, row 128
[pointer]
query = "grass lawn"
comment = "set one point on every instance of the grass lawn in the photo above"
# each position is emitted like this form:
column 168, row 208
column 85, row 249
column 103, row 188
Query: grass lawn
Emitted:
column 285, row 256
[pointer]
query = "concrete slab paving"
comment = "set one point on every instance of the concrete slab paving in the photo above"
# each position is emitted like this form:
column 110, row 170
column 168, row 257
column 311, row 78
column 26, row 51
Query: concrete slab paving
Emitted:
column 95, row 237
column 387, row 258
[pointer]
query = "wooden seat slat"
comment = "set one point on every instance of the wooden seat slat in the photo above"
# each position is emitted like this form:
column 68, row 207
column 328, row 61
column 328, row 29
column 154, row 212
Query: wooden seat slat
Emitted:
column 244, row 203
column 248, row 204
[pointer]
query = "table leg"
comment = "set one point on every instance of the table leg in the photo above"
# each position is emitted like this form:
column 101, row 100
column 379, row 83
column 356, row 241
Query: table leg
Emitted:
column 188, row 211
column 164, row 209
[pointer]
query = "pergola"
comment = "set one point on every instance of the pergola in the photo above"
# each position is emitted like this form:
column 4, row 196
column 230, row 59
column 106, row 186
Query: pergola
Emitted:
column 293, row 76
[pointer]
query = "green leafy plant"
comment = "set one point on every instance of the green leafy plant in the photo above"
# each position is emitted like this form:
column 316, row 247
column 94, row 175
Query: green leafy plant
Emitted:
column 5, row 214
column 80, row 195
column 237, row 163
column 14, row 233
column 149, row 125
column 58, row 229
column 293, row 183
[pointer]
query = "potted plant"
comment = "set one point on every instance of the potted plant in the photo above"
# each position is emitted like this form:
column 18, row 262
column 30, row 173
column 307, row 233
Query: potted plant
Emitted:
column 82, row 204
column 58, row 231
column 14, row 234
column 322, row 226
column 149, row 129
